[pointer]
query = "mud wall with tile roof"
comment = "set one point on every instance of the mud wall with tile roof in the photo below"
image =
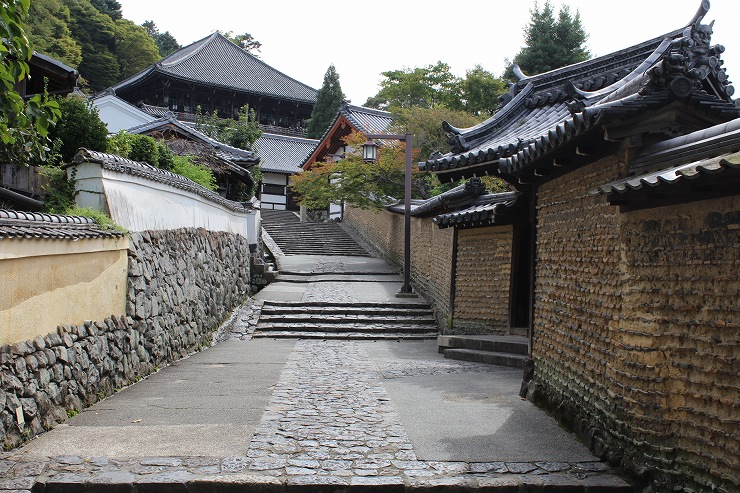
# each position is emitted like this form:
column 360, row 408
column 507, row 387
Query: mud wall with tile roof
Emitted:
column 636, row 330
column 181, row 285
column 431, row 252
column 482, row 280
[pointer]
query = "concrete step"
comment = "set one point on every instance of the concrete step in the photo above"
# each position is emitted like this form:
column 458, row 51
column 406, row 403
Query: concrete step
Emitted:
column 348, row 304
column 503, row 344
column 345, row 312
column 352, row 319
column 346, row 335
column 380, row 328
column 488, row 357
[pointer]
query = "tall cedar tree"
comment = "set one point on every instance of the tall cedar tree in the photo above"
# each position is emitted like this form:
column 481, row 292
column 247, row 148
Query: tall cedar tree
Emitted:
column 328, row 101
column 551, row 43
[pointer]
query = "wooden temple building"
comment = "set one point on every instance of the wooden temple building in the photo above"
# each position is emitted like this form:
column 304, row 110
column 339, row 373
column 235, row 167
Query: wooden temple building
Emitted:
column 218, row 75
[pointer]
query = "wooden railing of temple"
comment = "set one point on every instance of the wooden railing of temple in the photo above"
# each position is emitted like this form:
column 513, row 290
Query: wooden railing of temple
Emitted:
column 160, row 111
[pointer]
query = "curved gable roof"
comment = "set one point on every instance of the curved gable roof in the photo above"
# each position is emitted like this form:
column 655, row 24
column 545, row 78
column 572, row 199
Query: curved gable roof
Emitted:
column 547, row 112
column 214, row 60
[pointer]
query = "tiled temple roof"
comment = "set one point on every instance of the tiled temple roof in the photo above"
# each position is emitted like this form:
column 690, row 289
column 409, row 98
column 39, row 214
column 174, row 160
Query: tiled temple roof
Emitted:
column 695, row 166
column 728, row 166
column 549, row 112
column 216, row 61
column 366, row 120
column 29, row 225
column 283, row 154
column 135, row 168
column 487, row 210
column 233, row 154
column 359, row 118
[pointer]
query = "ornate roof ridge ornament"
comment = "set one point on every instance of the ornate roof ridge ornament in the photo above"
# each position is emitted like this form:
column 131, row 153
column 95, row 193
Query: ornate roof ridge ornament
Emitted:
column 691, row 63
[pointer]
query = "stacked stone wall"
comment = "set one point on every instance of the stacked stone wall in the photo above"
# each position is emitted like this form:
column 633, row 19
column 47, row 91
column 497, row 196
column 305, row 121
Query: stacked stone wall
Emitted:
column 431, row 252
column 636, row 330
column 482, row 280
column 181, row 285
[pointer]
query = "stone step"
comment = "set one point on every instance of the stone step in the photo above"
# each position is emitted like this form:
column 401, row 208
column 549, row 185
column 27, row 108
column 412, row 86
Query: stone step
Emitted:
column 268, row 310
column 503, row 344
column 488, row 357
column 345, row 335
column 338, row 305
column 344, row 327
column 336, row 320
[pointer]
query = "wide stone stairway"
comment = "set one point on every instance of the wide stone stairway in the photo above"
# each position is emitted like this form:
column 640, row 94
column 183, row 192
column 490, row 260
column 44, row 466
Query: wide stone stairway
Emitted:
column 308, row 238
column 335, row 290
column 327, row 320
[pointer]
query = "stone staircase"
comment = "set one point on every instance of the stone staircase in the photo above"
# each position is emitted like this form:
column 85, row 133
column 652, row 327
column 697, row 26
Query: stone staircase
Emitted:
column 494, row 350
column 309, row 238
column 346, row 320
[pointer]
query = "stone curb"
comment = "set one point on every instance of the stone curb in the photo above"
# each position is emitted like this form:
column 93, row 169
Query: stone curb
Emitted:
column 202, row 474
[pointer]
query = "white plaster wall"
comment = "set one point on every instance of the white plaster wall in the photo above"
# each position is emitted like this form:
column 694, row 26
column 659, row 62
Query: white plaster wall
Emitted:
column 275, row 179
column 119, row 115
column 139, row 204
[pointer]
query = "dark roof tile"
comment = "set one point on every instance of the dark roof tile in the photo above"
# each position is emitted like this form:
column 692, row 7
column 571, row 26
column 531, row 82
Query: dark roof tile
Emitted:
column 28, row 225
column 283, row 154
column 214, row 60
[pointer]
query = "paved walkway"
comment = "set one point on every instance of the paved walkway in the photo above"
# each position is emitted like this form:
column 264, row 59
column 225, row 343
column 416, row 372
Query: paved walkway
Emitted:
column 312, row 415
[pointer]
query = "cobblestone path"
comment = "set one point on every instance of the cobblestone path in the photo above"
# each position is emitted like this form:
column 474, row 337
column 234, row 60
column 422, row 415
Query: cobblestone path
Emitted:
column 330, row 414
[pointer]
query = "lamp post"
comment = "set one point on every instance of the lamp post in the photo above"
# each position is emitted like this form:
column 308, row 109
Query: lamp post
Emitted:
column 370, row 154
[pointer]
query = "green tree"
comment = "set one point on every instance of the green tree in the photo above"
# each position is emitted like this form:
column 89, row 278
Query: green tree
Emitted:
column 551, row 43
column 427, row 87
column 479, row 92
column 48, row 31
column 241, row 133
column 328, row 101
column 78, row 126
column 95, row 32
column 24, row 126
column 165, row 41
column 351, row 180
column 134, row 49
column 245, row 41
column 425, row 125
column 111, row 8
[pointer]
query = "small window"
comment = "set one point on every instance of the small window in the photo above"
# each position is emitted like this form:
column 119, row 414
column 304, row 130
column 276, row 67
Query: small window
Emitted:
column 273, row 189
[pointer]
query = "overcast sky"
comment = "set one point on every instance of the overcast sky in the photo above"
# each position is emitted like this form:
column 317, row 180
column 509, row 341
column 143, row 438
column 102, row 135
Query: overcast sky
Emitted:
column 302, row 37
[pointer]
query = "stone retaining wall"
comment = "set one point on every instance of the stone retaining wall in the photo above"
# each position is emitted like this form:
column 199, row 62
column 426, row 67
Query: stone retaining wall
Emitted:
column 181, row 285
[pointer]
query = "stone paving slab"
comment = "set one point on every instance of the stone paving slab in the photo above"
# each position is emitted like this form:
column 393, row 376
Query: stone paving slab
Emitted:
column 331, row 424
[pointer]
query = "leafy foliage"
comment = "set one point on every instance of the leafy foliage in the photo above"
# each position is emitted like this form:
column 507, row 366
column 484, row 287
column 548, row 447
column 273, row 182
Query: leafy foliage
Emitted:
column 184, row 166
column 78, row 126
column 244, row 41
column 479, row 93
column 111, row 8
column 141, row 148
column 427, row 87
column 100, row 217
column 434, row 86
column 241, row 134
column 24, row 126
column 49, row 31
column 93, row 37
column 551, row 43
column 165, row 41
column 351, row 180
column 425, row 124
column 328, row 101
column 134, row 49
